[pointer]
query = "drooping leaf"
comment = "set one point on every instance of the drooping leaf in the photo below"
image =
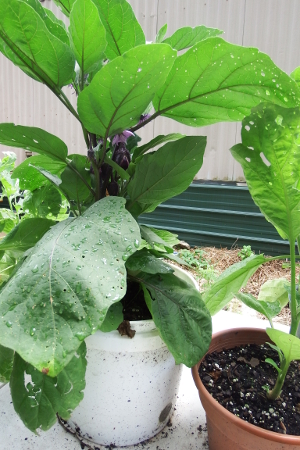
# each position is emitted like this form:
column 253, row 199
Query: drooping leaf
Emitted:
column 113, row 318
column 161, row 33
column 187, row 36
column 67, row 283
column 144, row 261
column 30, row 178
column 76, row 178
column 122, row 89
column 28, row 38
column 87, row 34
column 153, row 238
column 25, row 235
column 123, row 31
column 230, row 282
column 222, row 83
column 173, row 168
column 288, row 344
column 33, row 139
column 6, row 363
column 270, row 159
column 169, row 238
column 43, row 201
column 180, row 315
column 268, row 309
column 274, row 291
column 158, row 140
column 38, row 401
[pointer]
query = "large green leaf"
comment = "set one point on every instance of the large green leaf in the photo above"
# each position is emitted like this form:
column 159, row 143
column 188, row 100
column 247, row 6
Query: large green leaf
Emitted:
column 187, row 36
column 121, row 90
column 30, row 178
column 6, row 363
column 87, row 34
column 144, row 261
column 158, row 140
column 180, row 315
column 76, row 178
column 230, row 282
column 275, row 290
column 123, row 31
column 61, row 293
column 215, row 81
column 33, row 139
column 165, row 173
column 38, row 401
column 270, row 159
column 43, row 201
column 26, row 35
column 8, row 220
column 25, row 235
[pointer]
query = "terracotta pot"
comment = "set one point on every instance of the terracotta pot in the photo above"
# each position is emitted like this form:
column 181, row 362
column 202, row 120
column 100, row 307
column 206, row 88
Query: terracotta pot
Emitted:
column 225, row 430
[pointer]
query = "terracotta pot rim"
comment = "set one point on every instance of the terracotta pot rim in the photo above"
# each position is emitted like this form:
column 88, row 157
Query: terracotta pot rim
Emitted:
column 253, row 429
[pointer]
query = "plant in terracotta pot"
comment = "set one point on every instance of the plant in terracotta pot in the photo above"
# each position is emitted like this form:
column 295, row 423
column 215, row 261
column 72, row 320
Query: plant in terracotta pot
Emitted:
column 270, row 157
column 71, row 277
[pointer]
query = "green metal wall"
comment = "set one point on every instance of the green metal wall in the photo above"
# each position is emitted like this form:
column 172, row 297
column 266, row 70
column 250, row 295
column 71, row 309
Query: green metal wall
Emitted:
column 217, row 214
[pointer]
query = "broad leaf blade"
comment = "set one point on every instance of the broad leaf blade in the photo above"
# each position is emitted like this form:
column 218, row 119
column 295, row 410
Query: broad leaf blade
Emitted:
column 270, row 159
column 230, row 282
column 158, row 140
column 113, row 318
column 38, row 401
column 43, row 202
column 187, row 36
column 65, row 5
column 161, row 33
column 288, row 344
column 33, row 139
column 144, row 261
column 67, row 283
column 173, row 168
column 6, row 363
column 123, row 31
column 25, row 235
column 28, row 175
column 87, row 34
column 121, row 90
column 25, row 33
column 73, row 185
column 267, row 309
column 180, row 315
column 223, row 82
column 274, row 290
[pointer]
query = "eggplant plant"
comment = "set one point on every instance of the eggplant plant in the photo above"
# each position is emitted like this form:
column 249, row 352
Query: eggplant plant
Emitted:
column 270, row 157
column 71, row 276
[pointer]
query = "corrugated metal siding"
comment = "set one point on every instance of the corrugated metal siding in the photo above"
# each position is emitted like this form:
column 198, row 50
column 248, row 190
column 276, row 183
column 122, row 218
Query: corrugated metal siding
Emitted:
column 210, row 214
column 270, row 25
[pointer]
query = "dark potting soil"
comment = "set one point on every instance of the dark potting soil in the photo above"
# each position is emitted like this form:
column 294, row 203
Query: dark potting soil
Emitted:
column 134, row 305
column 238, row 379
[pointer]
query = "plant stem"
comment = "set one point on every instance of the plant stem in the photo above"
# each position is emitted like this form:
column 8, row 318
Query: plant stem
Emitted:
column 293, row 303
column 275, row 392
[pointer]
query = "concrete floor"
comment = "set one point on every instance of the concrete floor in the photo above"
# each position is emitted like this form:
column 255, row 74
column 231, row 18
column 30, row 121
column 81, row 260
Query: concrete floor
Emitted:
column 183, row 434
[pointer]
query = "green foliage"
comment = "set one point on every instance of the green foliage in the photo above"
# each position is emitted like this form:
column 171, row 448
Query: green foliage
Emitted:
column 63, row 281
column 245, row 252
column 203, row 268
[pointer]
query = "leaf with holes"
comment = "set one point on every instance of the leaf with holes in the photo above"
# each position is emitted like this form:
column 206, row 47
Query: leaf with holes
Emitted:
column 180, row 315
column 187, row 36
column 270, row 158
column 38, row 401
column 123, row 31
column 215, row 81
column 87, row 35
column 62, row 291
column 33, row 139
column 43, row 201
column 120, row 92
column 25, row 33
